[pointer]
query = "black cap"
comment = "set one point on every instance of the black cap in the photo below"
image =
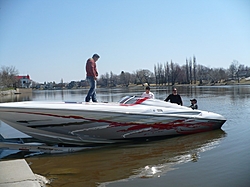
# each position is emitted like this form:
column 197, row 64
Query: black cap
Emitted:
column 193, row 100
column 96, row 55
column 147, row 88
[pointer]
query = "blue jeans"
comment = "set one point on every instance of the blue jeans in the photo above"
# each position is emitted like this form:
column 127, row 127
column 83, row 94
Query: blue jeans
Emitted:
column 91, row 93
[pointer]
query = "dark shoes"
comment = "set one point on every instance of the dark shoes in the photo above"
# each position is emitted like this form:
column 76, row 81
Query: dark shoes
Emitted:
column 87, row 100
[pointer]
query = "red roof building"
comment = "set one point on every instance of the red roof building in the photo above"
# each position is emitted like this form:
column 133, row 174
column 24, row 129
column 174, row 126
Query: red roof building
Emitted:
column 24, row 81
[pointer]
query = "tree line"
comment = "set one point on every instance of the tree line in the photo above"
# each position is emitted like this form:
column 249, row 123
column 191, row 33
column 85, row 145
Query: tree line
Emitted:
column 168, row 73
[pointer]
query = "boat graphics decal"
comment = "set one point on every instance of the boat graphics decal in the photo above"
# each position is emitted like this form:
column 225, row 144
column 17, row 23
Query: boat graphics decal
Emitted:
column 127, row 129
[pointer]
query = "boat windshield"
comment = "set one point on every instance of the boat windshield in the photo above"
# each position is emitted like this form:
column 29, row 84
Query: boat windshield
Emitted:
column 130, row 99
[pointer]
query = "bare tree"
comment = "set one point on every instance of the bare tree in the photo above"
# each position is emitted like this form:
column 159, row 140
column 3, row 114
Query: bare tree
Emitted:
column 156, row 75
column 125, row 78
column 190, row 71
column 222, row 74
column 194, row 69
column 217, row 74
column 113, row 79
column 234, row 69
column 159, row 75
column 187, row 72
column 103, row 81
column 181, row 79
column 8, row 76
column 175, row 70
column 167, row 73
column 143, row 76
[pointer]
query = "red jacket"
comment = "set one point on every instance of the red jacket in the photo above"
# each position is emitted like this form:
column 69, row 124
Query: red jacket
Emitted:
column 91, row 68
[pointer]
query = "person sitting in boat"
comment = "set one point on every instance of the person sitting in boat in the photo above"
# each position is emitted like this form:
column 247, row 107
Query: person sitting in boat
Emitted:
column 174, row 97
column 148, row 94
column 193, row 104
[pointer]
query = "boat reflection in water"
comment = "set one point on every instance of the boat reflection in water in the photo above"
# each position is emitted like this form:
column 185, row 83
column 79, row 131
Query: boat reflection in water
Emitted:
column 124, row 162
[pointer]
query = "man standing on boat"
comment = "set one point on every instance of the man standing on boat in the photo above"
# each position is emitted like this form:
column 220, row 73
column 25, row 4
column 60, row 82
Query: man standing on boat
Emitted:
column 92, row 75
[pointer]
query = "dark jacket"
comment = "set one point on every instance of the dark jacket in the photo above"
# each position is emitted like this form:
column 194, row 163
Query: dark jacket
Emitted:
column 174, row 99
column 194, row 106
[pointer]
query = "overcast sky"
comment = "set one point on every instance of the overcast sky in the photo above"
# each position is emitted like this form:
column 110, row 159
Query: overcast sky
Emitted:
column 51, row 39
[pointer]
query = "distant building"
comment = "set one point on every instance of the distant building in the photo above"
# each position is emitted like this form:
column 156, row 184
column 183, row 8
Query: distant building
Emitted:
column 242, row 73
column 23, row 81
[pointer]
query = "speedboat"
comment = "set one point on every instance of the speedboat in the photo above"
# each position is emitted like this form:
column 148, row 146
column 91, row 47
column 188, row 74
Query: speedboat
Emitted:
column 84, row 123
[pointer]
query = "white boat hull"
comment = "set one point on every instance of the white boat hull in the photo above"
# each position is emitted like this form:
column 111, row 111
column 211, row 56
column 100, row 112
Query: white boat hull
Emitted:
column 84, row 123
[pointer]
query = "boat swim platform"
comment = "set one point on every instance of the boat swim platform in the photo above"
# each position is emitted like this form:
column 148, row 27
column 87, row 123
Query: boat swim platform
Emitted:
column 17, row 173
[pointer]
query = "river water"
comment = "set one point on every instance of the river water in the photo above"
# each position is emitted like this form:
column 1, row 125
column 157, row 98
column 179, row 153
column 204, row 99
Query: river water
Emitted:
column 218, row 158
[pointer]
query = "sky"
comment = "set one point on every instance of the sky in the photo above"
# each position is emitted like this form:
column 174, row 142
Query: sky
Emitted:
column 50, row 40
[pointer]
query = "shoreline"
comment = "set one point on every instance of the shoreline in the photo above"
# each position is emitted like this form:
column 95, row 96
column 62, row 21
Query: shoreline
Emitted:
column 8, row 92
column 14, row 92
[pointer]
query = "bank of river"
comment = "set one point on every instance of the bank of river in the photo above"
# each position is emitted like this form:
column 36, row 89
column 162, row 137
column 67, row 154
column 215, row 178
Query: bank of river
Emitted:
column 242, row 82
column 7, row 92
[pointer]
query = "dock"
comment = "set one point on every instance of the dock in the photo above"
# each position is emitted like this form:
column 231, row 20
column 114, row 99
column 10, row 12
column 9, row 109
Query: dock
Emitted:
column 17, row 173
column 23, row 91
